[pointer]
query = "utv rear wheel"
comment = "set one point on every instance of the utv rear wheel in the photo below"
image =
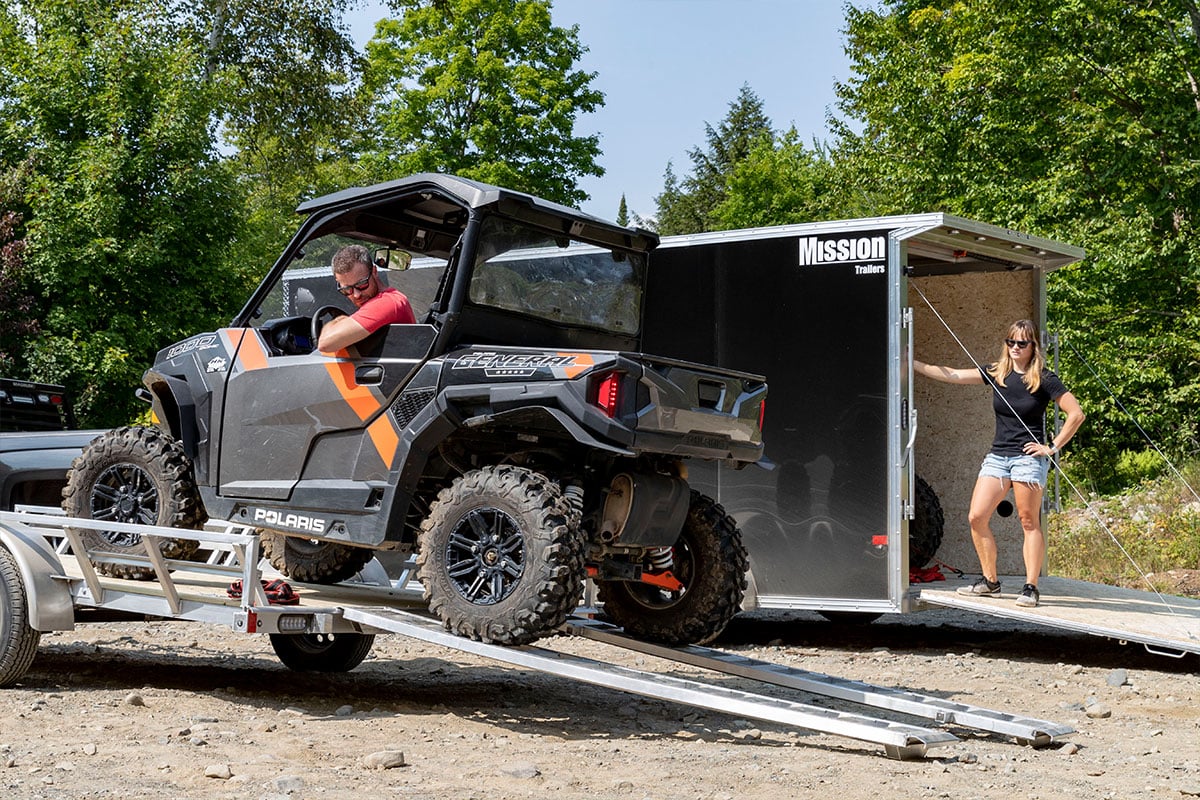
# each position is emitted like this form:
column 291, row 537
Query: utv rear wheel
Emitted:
column 710, row 562
column 501, row 556
column 312, row 561
column 135, row 475
column 322, row 652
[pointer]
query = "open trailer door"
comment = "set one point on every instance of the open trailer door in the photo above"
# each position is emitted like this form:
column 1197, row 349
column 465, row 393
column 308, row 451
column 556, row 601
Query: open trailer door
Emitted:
column 817, row 309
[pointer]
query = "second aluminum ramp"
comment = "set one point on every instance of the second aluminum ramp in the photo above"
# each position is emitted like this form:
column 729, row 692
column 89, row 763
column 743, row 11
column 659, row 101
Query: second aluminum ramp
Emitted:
column 899, row 740
column 1026, row 730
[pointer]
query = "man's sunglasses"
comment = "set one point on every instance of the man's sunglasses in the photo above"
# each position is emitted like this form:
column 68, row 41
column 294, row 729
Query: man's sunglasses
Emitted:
column 360, row 286
column 1020, row 344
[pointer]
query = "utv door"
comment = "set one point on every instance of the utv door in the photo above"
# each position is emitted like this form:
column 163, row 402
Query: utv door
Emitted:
column 316, row 419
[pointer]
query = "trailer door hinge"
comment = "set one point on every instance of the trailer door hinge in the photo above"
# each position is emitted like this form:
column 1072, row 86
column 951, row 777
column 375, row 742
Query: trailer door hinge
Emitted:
column 909, row 510
column 906, row 316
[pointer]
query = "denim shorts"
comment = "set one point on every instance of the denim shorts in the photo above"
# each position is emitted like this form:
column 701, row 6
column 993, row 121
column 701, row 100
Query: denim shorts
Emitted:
column 1020, row 469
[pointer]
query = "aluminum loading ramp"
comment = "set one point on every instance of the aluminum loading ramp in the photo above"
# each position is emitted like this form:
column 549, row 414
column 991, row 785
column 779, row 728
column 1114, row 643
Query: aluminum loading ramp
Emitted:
column 1026, row 730
column 898, row 740
column 1163, row 624
column 196, row 591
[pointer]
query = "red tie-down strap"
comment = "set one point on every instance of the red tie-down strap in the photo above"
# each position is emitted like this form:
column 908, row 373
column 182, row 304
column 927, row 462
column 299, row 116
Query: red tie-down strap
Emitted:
column 279, row 592
column 926, row 574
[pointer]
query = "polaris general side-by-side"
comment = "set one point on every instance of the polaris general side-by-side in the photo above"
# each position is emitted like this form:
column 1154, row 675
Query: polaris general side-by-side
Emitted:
column 515, row 437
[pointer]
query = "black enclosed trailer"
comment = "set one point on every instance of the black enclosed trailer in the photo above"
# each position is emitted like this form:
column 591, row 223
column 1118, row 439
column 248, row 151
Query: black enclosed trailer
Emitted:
column 833, row 314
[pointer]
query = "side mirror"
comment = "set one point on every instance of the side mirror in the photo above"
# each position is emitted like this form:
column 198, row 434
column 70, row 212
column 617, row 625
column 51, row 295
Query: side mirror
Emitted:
column 387, row 258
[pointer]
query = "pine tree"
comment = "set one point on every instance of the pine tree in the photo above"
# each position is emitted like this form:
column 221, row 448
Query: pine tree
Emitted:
column 687, row 206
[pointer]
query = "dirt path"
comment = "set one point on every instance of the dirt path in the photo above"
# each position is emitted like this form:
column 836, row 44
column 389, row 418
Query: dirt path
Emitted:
column 174, row 710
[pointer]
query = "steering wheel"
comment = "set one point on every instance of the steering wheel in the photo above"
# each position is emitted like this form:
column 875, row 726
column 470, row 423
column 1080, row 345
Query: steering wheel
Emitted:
column 320, row 317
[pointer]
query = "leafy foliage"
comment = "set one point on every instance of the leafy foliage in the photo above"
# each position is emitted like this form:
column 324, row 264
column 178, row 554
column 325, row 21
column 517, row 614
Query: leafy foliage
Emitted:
column 485, row 89
column 1151, row 528
column 129, row 208
column 282, row 74
column 779, row 182
column 1076, row 120
column 19, row 320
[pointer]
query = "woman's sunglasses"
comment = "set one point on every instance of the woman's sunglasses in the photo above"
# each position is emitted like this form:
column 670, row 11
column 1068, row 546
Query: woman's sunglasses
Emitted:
column 1020, row 344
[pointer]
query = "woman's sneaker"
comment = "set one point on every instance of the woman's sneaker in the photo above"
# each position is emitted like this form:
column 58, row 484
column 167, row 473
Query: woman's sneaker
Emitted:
column 1029, row 597
column 981, row 588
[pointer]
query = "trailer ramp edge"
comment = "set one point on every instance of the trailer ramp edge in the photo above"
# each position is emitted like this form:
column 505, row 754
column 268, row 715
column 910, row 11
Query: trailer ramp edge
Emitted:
column 1163, row 624
column 899, row 740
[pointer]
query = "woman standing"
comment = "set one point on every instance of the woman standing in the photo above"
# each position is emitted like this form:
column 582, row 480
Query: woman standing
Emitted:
column 1022, row 389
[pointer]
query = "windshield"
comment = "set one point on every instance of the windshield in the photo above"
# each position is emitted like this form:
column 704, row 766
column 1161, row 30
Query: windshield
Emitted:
column 308, row 284
column 521, row 269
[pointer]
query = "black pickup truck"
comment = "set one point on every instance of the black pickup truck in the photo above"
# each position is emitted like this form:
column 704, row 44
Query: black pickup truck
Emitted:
column 38, row 441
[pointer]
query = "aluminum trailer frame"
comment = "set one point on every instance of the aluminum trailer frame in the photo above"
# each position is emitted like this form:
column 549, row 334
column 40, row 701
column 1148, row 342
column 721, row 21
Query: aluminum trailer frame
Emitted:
column 63, row 589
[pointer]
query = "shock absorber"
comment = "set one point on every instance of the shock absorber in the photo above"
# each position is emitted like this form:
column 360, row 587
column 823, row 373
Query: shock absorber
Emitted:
column 660, row 559
column 574, row 496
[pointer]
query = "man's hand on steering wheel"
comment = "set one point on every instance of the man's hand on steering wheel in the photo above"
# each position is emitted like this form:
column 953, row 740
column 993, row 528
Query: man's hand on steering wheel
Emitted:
column 321, row 316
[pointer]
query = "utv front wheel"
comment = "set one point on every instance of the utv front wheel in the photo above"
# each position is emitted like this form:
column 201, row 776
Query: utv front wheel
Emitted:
column 501, row 556
column 711, row 563
column 135, row 475
column 312, row 561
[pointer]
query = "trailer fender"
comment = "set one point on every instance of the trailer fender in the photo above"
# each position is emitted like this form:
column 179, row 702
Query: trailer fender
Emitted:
column 47, row 597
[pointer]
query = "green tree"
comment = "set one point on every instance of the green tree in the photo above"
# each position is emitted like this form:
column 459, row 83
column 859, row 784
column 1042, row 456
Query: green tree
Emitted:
column 284, row 75
column 19, row 321
column 687, row 205
column 780, row 182
column 129, row 206
column 1077, row 120
column 169, row 143
column 486, row 89
column 622, row 212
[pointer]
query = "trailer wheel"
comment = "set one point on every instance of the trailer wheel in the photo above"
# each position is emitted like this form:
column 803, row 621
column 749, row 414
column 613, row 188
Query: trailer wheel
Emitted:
column 501, row 556
column 710, row 562
column 138, row 475
column 18, row 641
column 312, row 561
column 926, row 528
column 322, row 652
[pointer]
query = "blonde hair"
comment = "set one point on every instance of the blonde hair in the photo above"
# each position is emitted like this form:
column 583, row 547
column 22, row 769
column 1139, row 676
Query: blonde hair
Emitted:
column 1032, row 378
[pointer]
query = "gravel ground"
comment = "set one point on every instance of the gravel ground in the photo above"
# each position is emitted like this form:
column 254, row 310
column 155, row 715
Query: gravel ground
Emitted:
column 171, row 710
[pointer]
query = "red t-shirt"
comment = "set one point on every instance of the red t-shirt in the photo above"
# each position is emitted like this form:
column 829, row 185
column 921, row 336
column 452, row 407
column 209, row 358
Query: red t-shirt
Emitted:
column 389, row 307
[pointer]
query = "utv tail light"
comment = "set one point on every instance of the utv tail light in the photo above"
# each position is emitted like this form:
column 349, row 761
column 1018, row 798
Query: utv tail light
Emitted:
column 762, row 413
column 608, row 393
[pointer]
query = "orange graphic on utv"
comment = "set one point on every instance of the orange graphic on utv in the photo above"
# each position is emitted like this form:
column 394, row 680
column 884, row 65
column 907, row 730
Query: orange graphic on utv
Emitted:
column 365, row 402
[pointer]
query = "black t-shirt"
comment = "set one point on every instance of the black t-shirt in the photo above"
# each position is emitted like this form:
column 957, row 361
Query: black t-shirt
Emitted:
column 1030, row 407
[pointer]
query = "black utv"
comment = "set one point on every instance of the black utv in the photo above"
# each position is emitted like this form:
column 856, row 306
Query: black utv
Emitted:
column 515, row 438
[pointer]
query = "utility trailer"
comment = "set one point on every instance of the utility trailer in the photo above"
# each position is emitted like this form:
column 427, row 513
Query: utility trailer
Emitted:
column 49, row 582
column 833, row 313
